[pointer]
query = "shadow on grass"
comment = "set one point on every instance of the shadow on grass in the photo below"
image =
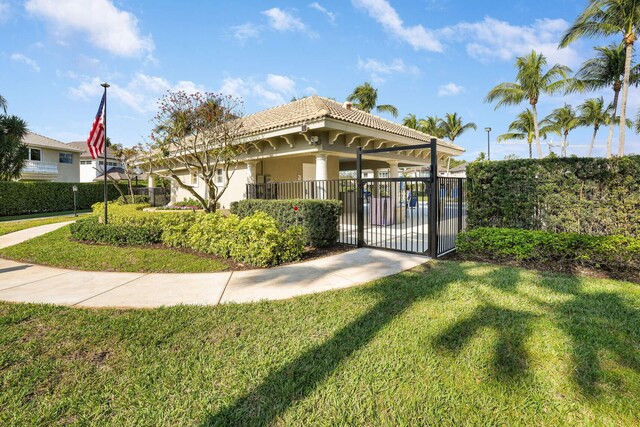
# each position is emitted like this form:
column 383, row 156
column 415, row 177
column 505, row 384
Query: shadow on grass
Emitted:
column 283, row 387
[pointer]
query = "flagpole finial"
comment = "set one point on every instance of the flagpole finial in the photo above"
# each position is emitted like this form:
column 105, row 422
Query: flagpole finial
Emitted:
column 105, row 85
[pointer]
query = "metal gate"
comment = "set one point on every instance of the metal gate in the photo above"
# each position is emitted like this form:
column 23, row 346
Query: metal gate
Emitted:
column 417, row 215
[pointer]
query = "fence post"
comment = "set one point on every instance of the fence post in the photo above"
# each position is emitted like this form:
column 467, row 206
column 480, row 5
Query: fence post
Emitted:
column 360, row 199
column 433, row 201
column 460, row 194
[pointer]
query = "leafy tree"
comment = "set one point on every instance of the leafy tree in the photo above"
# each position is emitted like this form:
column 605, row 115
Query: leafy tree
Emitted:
column 594, row 113
column 638, row 123
column 366, row 97
column 606, row 18
column 531, row 82
column 432, row 125
column 3, row 104
column 128, row 156
column 411, row 121
column 562, row 121
column 13, row 151
column 522, row 128
column 198, row 133
column 452, row 126
column 606, row 69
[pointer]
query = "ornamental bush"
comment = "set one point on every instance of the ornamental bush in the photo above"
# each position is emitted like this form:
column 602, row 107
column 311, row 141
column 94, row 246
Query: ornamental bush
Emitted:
column 19, row 197
column 320, row 219
column 90, row 230
column 577, row 195
column 615, row 253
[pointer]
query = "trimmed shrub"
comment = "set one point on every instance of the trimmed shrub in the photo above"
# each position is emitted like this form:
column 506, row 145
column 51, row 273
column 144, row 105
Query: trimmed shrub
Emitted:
column 90, row 230
column 577, row 195
column 610, row 253
column 133, row 199
column 18, row 198
column 320, row 219
column 213, row 234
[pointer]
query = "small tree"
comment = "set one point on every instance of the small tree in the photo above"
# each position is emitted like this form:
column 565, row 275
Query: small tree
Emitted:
column 198, row 133
column 13, row 151
column 128, row 157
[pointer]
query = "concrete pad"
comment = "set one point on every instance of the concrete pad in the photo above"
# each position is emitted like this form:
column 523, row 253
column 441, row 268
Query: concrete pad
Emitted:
column 67, row 289
column 156, row 290
column 365, row 265
column 18, row 273
column 281, row 283
column 29, row 233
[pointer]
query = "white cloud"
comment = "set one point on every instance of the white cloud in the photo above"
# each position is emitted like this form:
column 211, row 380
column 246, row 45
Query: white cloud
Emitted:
column 492, row 39
column 450, row 89
column 330, row 15
column 417, row 36
column 106, row 26
column 140, row 93
column 380, row 70
column 282, row 20
column 272, row 90
column 246, row 31
column 19, row 57
column 5, row 11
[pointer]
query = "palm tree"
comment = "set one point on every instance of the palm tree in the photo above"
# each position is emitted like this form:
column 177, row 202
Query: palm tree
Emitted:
column 411, row 121
column 523, row 129
column 638, row 123
column 452, row 126
column 594, row 113
column 367, row 99
column 606, row 18
column 531, row 82
column 562, row 121
column 606, row 70
column 3, row 104
column 432, row 125
column 13, row 151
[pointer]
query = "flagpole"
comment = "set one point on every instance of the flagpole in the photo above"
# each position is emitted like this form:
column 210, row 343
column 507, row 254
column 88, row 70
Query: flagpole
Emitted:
column 104, row 167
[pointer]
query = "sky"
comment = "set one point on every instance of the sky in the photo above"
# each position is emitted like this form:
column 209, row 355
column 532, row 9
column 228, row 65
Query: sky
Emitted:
column 426, row 57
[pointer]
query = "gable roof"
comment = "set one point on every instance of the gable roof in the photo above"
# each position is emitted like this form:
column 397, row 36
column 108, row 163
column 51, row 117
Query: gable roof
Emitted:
column 36, row 140
column 316, row 107
column 82, row 145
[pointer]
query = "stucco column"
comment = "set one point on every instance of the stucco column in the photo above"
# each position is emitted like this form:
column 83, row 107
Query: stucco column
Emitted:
column 251, row 171
column 151, row 182
column 376, row 173
column 321, row 175
column 393, row 168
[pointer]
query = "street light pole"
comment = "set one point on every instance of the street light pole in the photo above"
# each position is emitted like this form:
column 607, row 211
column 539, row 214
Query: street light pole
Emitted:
column 488, row 130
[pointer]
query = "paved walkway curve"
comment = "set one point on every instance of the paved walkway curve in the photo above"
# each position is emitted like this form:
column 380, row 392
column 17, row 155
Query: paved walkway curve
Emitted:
column 22, row 282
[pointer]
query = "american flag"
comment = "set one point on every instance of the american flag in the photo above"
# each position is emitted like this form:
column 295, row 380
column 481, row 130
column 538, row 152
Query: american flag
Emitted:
column 95, row 142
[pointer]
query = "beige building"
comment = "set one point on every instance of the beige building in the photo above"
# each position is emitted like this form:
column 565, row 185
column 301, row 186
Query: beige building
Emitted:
column 50, row 160
column 91, row 168
column 316, row 139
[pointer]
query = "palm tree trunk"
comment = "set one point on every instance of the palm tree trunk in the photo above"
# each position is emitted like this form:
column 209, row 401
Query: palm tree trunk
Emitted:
column 593, row 141
column 531, row 149
column 612, row 125
column 564, row 146
column 625, row 91
column 537, row 130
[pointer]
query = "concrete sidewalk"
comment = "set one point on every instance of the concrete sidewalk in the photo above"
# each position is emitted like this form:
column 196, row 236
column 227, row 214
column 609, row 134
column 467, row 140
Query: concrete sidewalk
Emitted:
column 22, row 282
column 29, row 233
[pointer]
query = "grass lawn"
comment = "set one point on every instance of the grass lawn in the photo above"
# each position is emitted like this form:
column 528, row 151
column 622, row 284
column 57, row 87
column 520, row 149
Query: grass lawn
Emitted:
column 450, row 344
column 40, row 215
column 57, row 250
column 10, row 227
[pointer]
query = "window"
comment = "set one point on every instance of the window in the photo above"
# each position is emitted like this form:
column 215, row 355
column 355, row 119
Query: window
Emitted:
column 85, row 162
column 219, row 176
column 194, row 180
column 65, row 158
column 35, row 154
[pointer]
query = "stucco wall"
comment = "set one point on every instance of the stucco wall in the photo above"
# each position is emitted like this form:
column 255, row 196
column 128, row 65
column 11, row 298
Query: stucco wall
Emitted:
column 66, row 172
column 235, row 191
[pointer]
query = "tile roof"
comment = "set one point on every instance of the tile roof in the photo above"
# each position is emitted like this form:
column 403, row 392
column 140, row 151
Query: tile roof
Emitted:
column 36, row 140
column 316, row 107
column 82, row 145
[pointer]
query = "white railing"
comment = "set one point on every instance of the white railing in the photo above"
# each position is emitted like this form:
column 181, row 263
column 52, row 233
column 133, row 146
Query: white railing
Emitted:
column 40, row 168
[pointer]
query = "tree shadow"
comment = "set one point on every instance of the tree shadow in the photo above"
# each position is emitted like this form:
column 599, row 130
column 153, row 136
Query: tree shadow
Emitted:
column 298, row 379
column 597, row 324
column 513, row 327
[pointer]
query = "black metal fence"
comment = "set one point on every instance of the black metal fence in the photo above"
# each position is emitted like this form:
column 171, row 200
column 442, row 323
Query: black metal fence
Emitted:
column 158, row 196
column 395, row 211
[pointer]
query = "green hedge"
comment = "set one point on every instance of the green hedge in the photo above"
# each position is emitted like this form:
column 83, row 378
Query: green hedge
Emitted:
column 91, row 230
column 19, row 198
column 320, row 219
column 255, row 240
column 578, row 195
column 611, row 253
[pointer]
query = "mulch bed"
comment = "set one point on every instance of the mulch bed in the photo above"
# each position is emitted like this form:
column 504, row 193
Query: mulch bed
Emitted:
column 553, row 267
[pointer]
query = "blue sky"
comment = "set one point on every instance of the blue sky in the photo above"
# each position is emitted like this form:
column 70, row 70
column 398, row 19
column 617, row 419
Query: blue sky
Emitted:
column 427, row 57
